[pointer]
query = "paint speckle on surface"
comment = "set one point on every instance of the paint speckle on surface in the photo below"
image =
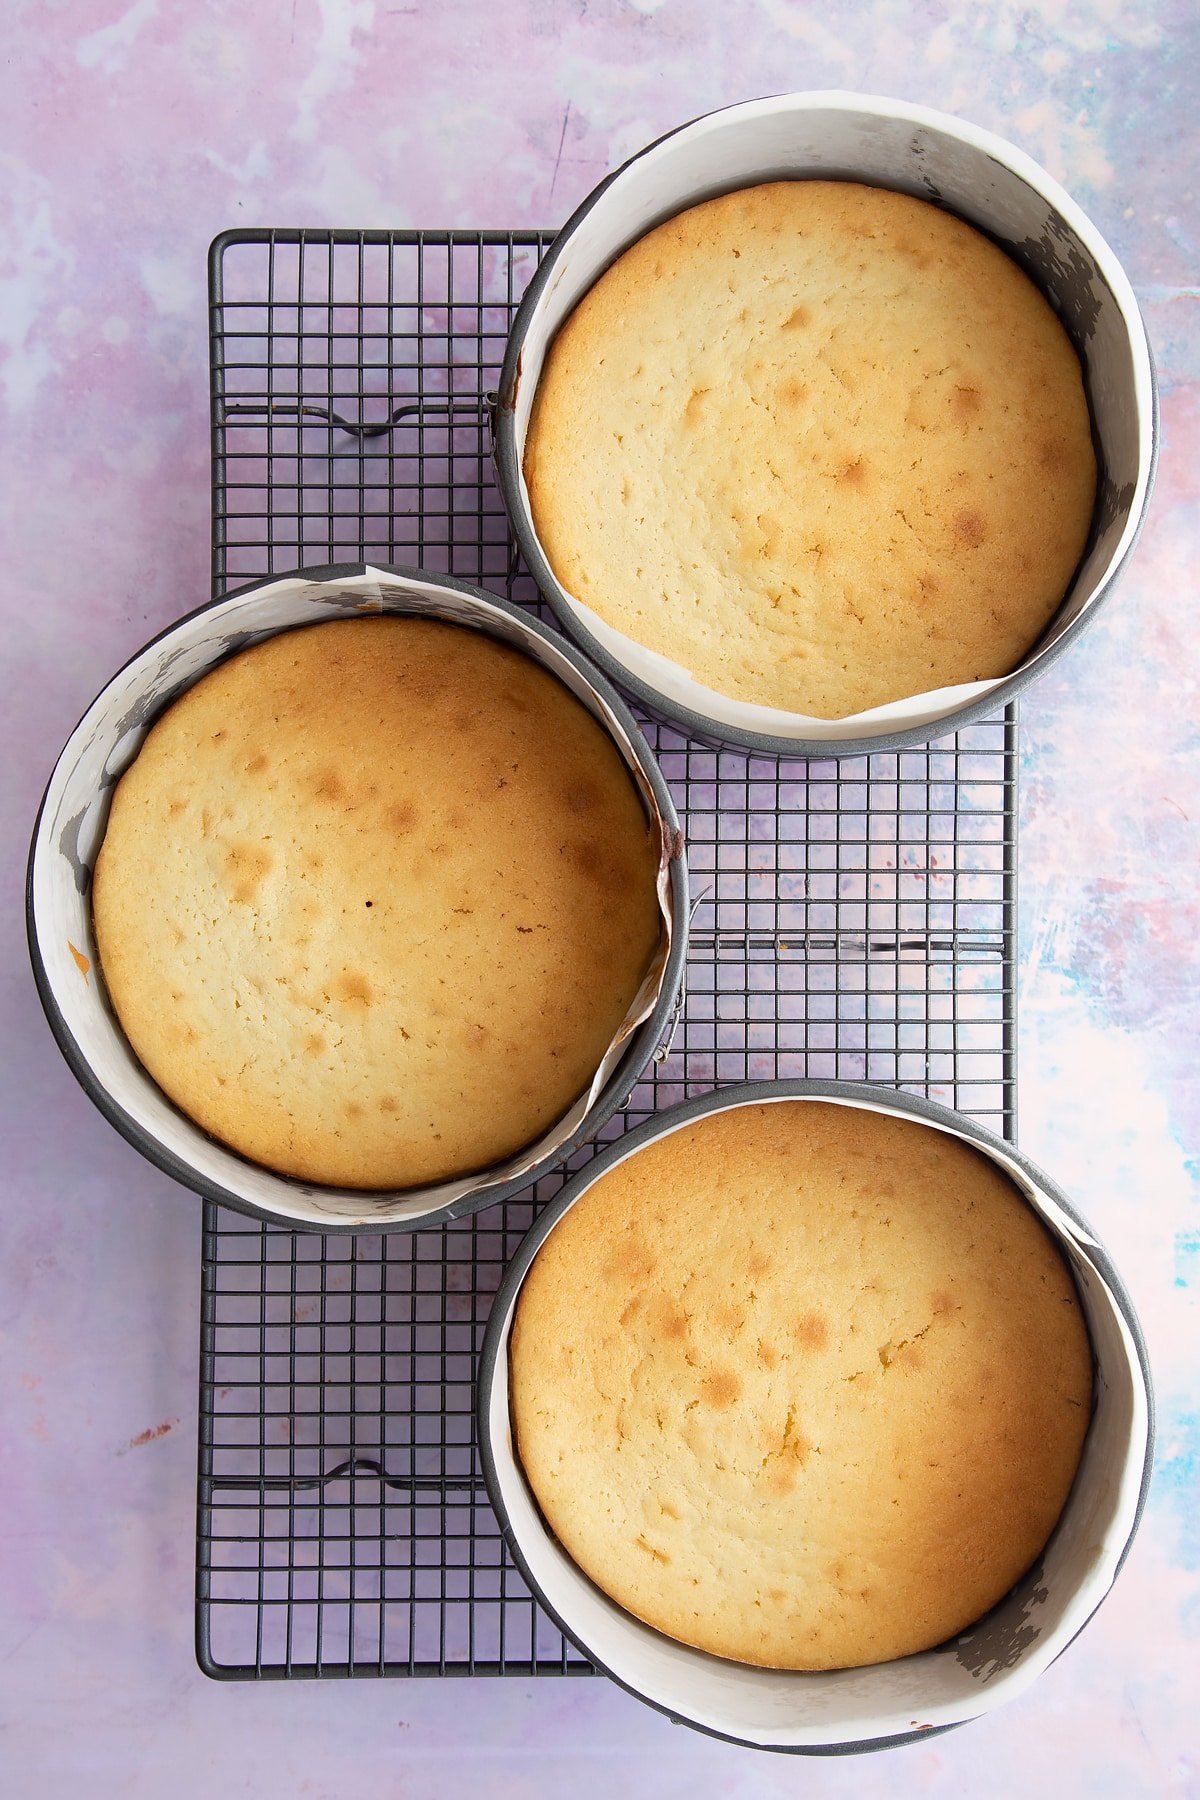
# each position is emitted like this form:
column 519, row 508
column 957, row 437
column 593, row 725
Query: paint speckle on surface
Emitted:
column 149, row 1436
column 134, row 133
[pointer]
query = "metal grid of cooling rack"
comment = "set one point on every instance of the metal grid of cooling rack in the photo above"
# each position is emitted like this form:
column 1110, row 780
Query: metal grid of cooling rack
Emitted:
column 856, row 920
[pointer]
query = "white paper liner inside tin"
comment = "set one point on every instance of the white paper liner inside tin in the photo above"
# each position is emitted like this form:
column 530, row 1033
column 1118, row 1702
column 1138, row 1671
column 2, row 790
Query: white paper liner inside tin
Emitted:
column 985, row 1666
column 976, row 175
column 72, row 828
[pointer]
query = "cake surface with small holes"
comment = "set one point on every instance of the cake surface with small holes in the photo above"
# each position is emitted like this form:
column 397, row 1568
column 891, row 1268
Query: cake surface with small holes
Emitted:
column 824, row 445
column 801, row 1385
column 374, row 899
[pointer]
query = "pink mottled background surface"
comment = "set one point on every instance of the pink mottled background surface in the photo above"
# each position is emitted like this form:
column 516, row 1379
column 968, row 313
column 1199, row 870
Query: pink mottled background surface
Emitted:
column 129, row 136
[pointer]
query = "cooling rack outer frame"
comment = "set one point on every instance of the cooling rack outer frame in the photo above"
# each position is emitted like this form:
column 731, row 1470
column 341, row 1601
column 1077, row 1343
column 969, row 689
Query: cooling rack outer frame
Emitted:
column 911, row 988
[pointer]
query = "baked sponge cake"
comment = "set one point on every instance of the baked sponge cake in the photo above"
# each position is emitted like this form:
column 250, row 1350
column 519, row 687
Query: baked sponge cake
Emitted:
column 801, row 1385
column 374, row 899
column 824, row 445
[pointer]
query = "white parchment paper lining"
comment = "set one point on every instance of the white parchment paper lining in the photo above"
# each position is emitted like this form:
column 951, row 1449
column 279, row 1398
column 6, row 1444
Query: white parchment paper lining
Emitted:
column 989, row 1663
column 72, row 828
column 987, row 182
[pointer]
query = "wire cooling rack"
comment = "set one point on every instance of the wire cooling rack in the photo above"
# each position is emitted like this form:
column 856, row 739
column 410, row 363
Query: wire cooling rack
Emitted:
column 856, row 921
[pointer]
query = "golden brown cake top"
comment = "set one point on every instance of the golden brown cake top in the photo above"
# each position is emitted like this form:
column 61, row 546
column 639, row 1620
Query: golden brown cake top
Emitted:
column 374, row 899
column 823, row 445
column 801, row 1385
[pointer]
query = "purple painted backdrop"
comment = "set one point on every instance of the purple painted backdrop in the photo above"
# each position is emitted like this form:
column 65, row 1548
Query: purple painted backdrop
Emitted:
column 130, row 137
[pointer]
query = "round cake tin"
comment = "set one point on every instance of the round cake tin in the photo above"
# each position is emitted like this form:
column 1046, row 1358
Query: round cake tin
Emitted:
column 70, row 828
column 891, row 1702
column 885, row 143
